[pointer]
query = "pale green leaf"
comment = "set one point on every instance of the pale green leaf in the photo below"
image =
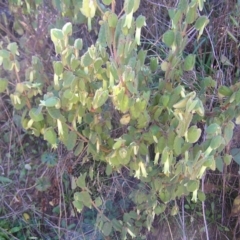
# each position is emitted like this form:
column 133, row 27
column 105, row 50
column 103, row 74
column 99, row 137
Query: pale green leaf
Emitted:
column 100, row 97
column 168, row 38
column 36, row 114
column 67, row 29
column 71, row 142
column 107, row 2
column 81, row 181
column 56, row 34
column 189, row 62
column 193, row 134
column 3, row 84
column 50, row 135
column 192, row 185
column 107, row 228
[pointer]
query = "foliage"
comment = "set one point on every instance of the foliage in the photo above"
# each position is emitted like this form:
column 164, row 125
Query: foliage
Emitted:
column 107, row 100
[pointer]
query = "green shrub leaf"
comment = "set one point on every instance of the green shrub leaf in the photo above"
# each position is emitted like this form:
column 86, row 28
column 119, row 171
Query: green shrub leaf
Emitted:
column 168, row 38
column 50, row 135
column 36, row 114
column 189, row 62
column 100, row 97
column 3, row 84
column 193, row 134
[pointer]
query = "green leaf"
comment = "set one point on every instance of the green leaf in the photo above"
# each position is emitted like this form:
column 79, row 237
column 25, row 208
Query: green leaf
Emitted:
column 193, row 134
column 140, row 21
column 5, row 179
column 177, row 145
column 98, row 201
column 227, row 159
column 219, row 163
column 182, row 5
column 68, row 79
column 58, row 68
column 176, row 18
column 213, row 129
column 14, row 230
column 84, row 197
column 71, row 142
column 136, row 5
column 42, row 184
column 159, row 209
column 36, row 114
column 67, row 29
column 200, row 24
column 50, row 135
column 128, row 6
column 98, row 64
column 78, row 205
column 189, row 62
column 86, row 60
column 108, row 170
column 168, row 38
column 68, row 94
column 191, row 15
column 165, row 195
column 13, row 48
column 78, row 43
column 50, row 102
column 49, row 158
column 201, row 196
column 216, row 142
column 164, row 66
column 107, row 2
column 235, row 152
column 107, row 228
column 228, row 132
column 164, row 100
column 56, row 34
column 116, row 225
column 225, row 91
column 54, row 113
column 154, row 64
column 119, row 142
column 81, row 180
column 123, row 153
column 3, row 84
column 4, row 53
column 112, row 20
column 100, row 97
column 192, row 185
column 79, row 148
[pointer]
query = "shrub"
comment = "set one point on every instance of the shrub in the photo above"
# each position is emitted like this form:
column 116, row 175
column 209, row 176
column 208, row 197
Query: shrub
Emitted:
column 107, row 100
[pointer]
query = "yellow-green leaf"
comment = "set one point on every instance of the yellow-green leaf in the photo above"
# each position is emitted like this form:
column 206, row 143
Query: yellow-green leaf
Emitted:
column 168, row 38
column 189, row 62
column 50, row 135
column 193, row 134
column 3, row 84
column 36, row 114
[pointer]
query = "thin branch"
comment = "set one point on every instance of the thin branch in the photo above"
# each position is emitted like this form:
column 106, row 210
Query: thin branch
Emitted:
column 203, row 210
